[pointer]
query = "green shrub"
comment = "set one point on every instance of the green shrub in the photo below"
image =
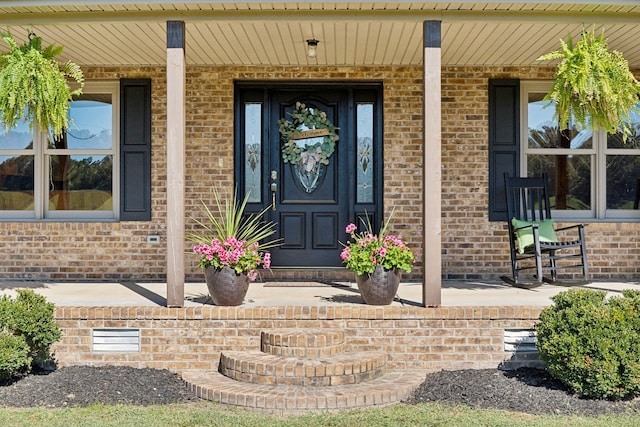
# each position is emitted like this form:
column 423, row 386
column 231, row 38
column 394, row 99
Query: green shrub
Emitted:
column 14, row 355
column 591, row 343
column 31, row 317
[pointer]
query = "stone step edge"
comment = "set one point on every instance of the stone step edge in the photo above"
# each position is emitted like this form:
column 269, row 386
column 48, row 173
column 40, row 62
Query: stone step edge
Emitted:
column 260, row 368
column 394, row 387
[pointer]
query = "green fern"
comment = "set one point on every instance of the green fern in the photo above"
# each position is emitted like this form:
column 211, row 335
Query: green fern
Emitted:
column 594, row 84
column 34, row 86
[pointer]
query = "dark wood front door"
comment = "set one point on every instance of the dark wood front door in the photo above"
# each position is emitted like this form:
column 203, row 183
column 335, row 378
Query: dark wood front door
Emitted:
column 311, row 206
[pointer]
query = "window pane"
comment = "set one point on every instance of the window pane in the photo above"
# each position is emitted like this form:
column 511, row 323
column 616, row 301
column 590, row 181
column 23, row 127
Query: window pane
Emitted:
column 81, row 183
column 632, row 142
column 365, row 153
column 91, row 124
column 569, row 179
column 623, row 179
column 543, row 129
column 17, row 138
column 16, row 183
column 253, row 150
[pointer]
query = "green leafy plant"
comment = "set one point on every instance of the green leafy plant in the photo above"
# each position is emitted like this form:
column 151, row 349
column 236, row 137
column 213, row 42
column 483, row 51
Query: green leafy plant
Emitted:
column 27, row 331
column 14, row 355
column 593, row 85
column 232, row 238
column 33, row 317
column 367, row 250
column 592, row 344
column 307, row 121
column 34, row 87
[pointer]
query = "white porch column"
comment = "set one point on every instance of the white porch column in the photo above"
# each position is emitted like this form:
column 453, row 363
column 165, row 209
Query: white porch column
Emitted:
column 432, row 166
column 175, row 162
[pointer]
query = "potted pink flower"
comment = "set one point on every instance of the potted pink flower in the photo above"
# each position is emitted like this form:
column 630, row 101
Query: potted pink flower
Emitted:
column 232, row 246
column 377, row 260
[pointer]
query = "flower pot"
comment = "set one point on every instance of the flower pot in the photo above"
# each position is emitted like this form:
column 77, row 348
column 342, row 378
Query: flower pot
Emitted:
column 226, row 287
column 379, row 287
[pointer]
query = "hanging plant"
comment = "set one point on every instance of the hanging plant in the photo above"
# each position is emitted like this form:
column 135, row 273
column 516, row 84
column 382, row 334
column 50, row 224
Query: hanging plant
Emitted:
column 593, row 85
column 34, row 86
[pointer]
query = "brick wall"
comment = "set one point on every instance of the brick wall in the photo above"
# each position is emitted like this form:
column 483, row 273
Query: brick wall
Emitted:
column 473, row 248
column 192, row 338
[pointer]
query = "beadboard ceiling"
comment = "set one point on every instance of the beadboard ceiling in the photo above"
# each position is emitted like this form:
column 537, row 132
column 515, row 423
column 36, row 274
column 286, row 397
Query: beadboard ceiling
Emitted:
column 127, row 33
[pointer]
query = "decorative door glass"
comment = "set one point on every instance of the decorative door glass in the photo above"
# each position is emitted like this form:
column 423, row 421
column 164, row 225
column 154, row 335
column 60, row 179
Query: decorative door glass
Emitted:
column 253, row 151
column 364, row 129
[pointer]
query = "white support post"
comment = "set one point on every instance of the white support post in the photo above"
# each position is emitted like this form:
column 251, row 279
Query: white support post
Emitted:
column 176, row 77
column 432, row 167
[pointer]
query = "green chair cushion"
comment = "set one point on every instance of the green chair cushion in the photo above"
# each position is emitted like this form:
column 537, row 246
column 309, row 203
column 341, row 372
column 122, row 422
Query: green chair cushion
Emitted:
column 525, row 236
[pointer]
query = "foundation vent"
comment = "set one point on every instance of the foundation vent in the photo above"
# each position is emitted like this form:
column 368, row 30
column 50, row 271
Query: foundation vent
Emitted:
column 520, row 341
column 116, row 340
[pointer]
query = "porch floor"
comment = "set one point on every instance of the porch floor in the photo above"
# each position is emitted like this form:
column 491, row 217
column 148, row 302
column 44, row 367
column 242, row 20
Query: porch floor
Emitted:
column 309, row 293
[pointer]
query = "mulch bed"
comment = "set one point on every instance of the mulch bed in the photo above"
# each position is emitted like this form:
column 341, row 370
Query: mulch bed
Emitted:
column 526, row 390
column 85, row 385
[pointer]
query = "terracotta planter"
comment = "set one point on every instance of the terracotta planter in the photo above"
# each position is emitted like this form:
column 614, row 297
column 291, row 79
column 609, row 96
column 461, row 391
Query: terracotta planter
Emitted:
column 379, row 287
column 225, row 286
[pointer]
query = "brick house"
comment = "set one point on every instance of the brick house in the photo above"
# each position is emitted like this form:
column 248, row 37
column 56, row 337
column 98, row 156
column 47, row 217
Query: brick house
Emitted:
column 187, row 96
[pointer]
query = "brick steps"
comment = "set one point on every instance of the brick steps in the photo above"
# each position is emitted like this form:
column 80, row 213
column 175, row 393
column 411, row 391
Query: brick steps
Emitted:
column 299, row 371
column 295, row 400
column 261, row 368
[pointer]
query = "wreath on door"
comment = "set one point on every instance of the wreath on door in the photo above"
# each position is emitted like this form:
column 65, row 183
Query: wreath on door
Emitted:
column 307, row 122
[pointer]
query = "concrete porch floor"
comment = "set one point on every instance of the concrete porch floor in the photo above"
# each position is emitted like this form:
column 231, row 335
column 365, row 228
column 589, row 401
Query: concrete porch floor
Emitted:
column 268, row 294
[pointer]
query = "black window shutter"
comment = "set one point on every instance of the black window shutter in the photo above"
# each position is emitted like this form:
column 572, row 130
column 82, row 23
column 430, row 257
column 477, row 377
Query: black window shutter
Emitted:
column 135, row 149
column 504, row 141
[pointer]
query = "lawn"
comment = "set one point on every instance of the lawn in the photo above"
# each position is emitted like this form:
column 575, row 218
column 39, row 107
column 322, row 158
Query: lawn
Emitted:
column 210, row 414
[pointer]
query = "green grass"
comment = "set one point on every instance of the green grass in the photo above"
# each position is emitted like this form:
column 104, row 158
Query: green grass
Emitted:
column 209, row 414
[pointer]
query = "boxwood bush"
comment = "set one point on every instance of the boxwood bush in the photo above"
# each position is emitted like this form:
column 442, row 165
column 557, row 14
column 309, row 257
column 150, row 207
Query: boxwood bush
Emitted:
column 591, row 343
column 28, row 319
column 14, row 355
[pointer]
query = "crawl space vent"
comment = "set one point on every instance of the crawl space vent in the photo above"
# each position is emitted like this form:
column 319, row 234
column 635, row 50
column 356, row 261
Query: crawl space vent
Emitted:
column 116, row 340
column 520, row 341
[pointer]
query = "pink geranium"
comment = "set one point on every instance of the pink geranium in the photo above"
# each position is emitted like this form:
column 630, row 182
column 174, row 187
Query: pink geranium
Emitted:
column 234, row 253
column 367, row 250
column 231, row 237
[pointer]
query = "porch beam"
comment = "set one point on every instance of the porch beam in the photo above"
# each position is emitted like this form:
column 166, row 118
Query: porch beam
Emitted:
column 540, row 17
column 432, row 166
column 176, row 77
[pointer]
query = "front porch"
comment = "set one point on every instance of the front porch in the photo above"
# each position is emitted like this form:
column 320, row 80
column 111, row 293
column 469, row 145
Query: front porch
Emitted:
column 296, row 293
column 467, row 331
column 384, row 350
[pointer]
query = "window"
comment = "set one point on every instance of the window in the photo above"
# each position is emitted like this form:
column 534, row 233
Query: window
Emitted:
column 71, row 177
column 591, row 174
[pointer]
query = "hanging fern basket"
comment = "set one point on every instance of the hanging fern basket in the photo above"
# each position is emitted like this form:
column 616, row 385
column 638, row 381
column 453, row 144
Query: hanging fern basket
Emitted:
column 34, row 86
column 593, row 86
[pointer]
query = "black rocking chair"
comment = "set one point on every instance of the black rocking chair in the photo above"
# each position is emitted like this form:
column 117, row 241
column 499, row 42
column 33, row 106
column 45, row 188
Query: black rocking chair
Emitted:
column 532, row 235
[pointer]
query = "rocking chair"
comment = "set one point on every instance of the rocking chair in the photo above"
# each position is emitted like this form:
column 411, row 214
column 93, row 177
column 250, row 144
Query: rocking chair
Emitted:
column 532, row 235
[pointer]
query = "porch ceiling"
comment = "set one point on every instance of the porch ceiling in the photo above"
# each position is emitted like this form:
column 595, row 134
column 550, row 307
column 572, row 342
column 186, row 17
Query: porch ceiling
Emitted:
column 127, row 33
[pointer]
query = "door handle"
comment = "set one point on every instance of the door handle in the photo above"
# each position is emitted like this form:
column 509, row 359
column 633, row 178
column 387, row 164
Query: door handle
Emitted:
column 274, row 190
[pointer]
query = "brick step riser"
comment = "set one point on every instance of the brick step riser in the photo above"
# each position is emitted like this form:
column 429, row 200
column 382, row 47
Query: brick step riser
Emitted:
column 303, row 352
column 259, row 368
column 295, row 400
column 296, row 343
